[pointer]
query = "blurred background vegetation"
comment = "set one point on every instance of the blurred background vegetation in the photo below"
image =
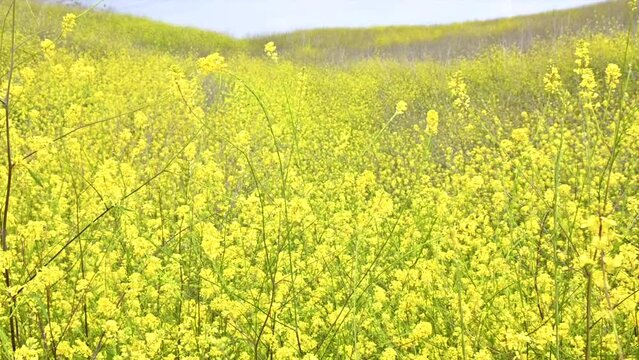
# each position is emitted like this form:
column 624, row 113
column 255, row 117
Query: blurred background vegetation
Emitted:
column 104, row 31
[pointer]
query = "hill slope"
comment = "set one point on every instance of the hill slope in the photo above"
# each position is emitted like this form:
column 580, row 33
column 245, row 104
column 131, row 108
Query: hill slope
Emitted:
column 447, row 41
column 105, row 31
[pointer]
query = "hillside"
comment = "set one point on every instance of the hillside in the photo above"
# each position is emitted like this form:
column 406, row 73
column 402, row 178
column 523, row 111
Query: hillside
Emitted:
column 170, row 193
column 446, row 42
column 104, row 30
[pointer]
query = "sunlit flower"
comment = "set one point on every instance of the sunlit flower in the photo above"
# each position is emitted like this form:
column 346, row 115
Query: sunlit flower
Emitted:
column 48, row 47
column 613, row 74
column 552, row 81
column 110, row 327
column 68, row 23
column 65, row 350
column 271, row 51
column 459, row 90
column 388, row 354
column 401, row 107
column 521, row 135
column 212, row 64
column 582, row 53
column 432, row 122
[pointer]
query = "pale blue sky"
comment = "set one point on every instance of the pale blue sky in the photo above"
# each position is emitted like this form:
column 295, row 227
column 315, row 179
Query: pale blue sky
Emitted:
column 256, row 17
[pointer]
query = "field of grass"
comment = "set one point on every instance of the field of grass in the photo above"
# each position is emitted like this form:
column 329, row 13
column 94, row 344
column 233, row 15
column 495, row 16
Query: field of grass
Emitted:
column 168, row 196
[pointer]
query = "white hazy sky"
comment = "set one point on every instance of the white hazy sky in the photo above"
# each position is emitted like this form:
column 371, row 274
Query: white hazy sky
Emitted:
column 256, row 17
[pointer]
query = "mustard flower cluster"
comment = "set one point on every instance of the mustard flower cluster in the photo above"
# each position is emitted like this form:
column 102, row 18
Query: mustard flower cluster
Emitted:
column 401, row 107
column 432, row 122
column 552, row 81
column 271, row 51
column 68, row 24
column 213, row 63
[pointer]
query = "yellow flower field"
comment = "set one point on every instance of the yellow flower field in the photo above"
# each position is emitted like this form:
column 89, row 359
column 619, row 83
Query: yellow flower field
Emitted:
column 160, row 205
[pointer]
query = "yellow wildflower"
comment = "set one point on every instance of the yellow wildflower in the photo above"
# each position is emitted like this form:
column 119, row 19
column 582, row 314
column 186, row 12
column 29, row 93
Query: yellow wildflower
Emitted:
column 65, row 350
column 422, row 331
column 521, row 135
column 583, row 54
column 432, row 122
column 68, row 23
column 25, row 353
column 81, row 348
column 401, row 107
column 613, row 74
column 110, row 327
column 212, row 64
column 459, row 90
column 271, row 51
column 552, row 81
column 388, row 354
column 48, row 47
